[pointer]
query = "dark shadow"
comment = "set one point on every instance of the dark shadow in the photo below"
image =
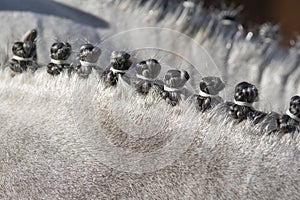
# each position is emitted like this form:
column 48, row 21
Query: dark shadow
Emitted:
column 53, row 8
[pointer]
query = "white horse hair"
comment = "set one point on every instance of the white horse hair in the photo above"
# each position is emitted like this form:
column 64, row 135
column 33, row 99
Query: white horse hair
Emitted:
column 71, row 138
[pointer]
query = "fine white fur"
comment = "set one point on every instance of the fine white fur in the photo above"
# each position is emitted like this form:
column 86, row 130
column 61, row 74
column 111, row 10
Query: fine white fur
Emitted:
column 72, row 138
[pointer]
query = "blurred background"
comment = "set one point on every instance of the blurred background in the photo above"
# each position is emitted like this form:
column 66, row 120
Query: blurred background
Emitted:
column 284, row 12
